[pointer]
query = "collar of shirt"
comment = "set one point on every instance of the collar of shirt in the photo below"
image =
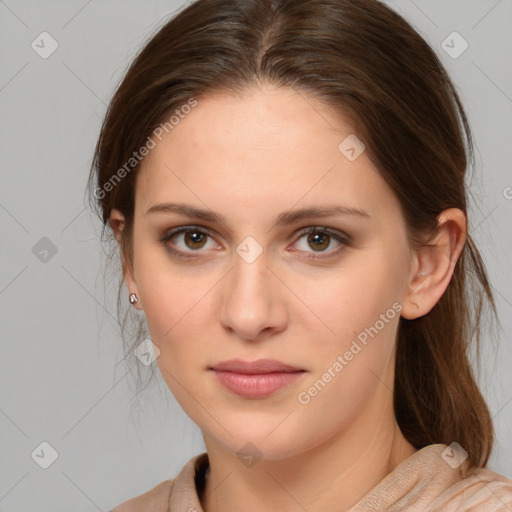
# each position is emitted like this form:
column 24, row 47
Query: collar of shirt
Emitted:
column 429, row 480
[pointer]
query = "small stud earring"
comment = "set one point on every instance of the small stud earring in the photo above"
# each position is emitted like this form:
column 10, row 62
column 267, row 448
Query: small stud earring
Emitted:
column 133, row 298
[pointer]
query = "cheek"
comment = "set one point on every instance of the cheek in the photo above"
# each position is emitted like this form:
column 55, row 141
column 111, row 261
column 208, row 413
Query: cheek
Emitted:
column 169, row 293
column 356, row 337
column 178, row 313
column 343, row 303
column 351, row 341
column 176, row 316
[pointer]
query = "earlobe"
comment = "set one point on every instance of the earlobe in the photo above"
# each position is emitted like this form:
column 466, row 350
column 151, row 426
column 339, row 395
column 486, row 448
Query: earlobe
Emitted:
column 434, row 264
column 117, row 222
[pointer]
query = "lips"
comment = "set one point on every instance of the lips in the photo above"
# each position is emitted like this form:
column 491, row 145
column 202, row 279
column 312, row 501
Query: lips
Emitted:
column 256, row 379
column 259, row 366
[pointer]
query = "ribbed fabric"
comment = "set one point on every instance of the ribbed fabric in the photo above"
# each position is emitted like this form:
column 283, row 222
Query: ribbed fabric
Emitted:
column 424, row 482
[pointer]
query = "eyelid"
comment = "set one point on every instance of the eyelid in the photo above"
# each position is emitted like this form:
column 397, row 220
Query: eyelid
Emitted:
column 168, row 235
column 341, row 237
column 338, row 235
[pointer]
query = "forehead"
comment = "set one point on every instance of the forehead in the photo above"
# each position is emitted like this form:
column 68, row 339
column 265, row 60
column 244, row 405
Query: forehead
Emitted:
column 264, row 149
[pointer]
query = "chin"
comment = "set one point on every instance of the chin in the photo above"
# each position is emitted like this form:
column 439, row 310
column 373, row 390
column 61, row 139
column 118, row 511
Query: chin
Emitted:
column 266, row 442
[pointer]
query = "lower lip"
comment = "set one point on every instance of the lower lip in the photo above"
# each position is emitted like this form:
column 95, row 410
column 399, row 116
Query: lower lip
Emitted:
column 257, row 385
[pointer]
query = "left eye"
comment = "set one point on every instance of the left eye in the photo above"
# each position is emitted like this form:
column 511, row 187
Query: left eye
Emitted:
column 320, row 239
column 195, row 238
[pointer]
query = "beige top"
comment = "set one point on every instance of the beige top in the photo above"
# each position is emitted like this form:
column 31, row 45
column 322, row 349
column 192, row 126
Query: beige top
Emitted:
column 424, row 482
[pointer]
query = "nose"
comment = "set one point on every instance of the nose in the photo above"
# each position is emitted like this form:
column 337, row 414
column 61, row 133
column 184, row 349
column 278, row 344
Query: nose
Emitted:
column 253, row 300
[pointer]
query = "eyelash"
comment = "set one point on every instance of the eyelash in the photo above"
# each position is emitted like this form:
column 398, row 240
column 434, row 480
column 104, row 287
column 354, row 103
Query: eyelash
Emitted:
column 342, row 238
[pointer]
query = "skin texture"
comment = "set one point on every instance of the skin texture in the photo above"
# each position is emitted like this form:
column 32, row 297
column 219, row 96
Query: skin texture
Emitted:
column 249, row 159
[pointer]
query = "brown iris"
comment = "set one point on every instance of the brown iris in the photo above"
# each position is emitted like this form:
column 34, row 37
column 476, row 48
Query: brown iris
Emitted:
column 195, row 238
column 313, row 238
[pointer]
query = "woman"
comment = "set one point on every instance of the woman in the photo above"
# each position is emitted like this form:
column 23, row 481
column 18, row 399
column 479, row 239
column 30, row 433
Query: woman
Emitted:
column 285, row 179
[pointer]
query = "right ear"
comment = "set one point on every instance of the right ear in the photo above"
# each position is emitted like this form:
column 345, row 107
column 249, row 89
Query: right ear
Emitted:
column 117, row 223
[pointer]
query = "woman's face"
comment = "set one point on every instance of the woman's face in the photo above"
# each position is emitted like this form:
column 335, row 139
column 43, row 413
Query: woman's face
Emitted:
column 251, row 289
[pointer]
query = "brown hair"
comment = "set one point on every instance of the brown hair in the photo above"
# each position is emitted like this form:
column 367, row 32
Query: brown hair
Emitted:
column 364, row 60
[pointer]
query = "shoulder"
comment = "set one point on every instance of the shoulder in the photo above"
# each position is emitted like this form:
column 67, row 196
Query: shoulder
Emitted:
column 481, row 490
column 154, row 500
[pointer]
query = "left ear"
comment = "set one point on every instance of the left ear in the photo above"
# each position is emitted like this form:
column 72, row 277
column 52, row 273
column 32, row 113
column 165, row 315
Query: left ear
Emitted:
column 433, row 265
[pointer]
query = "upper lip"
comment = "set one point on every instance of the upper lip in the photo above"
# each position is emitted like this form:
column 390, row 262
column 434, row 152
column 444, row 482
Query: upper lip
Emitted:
column 254, row 367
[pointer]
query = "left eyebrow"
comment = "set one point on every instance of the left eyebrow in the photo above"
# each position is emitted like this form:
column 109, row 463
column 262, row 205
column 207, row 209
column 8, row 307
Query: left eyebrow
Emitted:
column 283, row 219
column 294, row 216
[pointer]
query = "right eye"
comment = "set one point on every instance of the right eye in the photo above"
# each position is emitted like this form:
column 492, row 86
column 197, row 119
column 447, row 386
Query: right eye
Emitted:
column 194, row 239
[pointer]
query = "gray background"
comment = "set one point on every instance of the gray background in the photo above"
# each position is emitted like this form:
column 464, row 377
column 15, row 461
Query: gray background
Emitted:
column 59, row 381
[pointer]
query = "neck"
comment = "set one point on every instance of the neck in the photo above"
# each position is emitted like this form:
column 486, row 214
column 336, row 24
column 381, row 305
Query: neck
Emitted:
column 342, row 470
